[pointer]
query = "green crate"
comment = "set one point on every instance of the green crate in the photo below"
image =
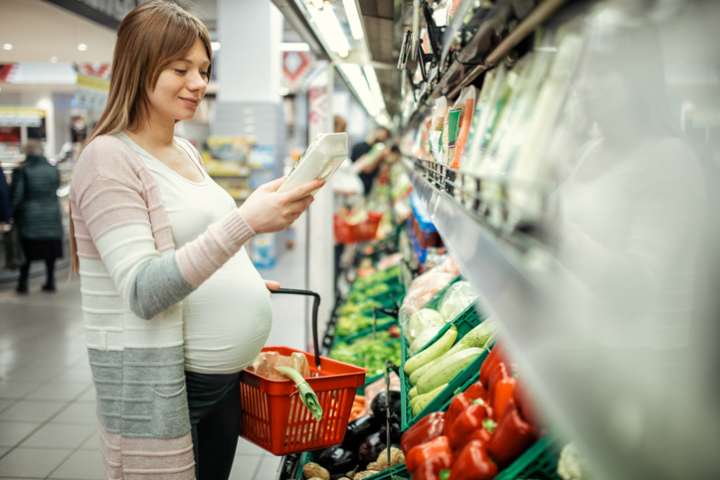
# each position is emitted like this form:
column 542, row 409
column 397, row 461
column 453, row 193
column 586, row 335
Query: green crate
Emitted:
column 538, row 462
column 396, row 472
column 441, row 401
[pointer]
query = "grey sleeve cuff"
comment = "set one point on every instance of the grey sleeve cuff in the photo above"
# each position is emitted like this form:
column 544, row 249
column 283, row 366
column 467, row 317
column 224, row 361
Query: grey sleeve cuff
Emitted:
column 158, row 285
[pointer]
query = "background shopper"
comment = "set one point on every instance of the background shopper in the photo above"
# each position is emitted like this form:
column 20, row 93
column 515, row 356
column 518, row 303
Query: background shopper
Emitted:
column 368, row 165
column 37, row 214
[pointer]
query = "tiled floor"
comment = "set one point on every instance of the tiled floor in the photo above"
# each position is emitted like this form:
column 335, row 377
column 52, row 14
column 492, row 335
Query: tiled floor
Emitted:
column 47, row 401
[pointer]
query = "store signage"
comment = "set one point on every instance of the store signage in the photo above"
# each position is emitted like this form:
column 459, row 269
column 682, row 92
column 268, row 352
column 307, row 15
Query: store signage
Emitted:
column 21, row 117
column 38, row 73
column 295, row 66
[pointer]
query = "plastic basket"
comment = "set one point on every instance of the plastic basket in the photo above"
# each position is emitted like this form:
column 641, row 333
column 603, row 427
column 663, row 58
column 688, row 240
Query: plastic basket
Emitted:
column 358, row 232
column 274, row 418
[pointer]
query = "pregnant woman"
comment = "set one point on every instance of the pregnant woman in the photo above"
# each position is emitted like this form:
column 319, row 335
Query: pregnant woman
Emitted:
column 173, row 308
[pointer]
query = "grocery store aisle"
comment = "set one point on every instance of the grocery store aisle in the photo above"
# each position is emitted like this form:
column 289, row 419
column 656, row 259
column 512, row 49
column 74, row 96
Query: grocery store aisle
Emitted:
column 47, row 402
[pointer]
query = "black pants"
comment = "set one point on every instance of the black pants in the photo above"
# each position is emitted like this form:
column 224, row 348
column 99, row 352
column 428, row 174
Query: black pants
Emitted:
column 49, row 274
column 214, row 404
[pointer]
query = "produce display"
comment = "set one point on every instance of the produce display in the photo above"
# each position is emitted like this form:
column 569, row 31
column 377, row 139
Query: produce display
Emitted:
column 485, row 428
column 430, row 370
column 363, row 452
column 369, row 352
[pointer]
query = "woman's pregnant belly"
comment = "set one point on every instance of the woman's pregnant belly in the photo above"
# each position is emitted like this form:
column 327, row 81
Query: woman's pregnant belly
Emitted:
column 227, row 319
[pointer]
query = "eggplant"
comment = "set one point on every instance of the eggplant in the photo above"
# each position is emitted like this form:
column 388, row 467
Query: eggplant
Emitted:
column 395, row 431
column 369, row 450
column 358, row 430
column 379, row 405
column 337, row 459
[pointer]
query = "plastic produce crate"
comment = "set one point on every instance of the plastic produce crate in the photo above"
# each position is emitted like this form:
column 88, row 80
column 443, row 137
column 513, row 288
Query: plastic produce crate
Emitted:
column 398, row 472
column 538, row 462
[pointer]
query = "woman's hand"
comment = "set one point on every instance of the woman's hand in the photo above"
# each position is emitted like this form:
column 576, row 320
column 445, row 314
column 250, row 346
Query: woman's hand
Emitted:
column 272, row 285
column 267, row 210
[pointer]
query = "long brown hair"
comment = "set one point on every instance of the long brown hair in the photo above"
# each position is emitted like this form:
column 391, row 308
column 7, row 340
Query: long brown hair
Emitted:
column 150, row 37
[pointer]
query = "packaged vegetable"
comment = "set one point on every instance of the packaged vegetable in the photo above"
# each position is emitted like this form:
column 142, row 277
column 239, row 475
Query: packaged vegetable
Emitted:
column 421, row 321
column 457, row 298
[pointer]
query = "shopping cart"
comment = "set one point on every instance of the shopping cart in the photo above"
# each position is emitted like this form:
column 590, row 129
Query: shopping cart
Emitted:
column 274, row 418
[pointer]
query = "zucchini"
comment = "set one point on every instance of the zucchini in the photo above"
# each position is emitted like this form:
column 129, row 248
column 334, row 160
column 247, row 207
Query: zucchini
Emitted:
column 447, row 368
column 413, row 392
column 419, row 372
column 477, row 337
column 437, row 349
column 422, row 401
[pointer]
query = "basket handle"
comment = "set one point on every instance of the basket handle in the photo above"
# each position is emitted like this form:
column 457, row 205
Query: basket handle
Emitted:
column 315, row 307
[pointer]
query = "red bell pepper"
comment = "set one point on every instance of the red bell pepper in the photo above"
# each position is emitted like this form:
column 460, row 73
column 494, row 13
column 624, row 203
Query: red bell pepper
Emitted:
column 435, row 452
column 503, row 395
column 428, row 428
column 500, row 372
column 511, row 437
column 474, row 463
column 493, row 358
column 468, row 422
column 525, row 406
column 428, row 472
column 463, row 401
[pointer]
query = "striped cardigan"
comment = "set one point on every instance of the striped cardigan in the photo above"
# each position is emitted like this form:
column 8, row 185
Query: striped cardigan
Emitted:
column 132, row 280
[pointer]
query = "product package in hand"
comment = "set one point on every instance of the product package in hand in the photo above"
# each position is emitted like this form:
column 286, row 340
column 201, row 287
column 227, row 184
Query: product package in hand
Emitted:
column 321, row 159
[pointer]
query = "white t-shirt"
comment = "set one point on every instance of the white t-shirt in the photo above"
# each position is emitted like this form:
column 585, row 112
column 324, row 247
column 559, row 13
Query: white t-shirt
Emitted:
column 227, row 319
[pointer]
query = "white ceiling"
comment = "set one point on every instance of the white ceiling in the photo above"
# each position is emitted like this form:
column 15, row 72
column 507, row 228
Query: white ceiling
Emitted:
column 38, row 31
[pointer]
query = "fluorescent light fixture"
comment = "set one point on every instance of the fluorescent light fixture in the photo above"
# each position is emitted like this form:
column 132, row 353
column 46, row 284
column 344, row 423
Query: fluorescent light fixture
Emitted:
column 351, row 12
column 330, row 29
column 374, row 85
column 82, row 47
column 294, row 47
column 354, row 76
column 215, row 46
column 7, row 46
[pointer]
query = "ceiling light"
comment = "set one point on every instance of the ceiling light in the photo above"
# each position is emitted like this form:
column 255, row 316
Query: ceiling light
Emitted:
column 7, row 46
column 354, row 76
column 351, row 12
column 330, row 29
column 82, row 47
column 294, row 47
column 53, row 59
column 374, row 85
column 215, row 46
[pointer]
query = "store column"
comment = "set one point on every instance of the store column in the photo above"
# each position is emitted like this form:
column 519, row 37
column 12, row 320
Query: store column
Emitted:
column 249, row 103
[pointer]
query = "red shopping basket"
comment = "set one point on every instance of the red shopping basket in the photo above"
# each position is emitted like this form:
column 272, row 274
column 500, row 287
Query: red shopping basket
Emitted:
column 274, row 418
column 356, row 232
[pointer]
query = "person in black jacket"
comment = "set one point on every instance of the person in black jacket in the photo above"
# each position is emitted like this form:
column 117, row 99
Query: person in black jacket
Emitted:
column 5, row 207
column 36, row 210
column 369, row 170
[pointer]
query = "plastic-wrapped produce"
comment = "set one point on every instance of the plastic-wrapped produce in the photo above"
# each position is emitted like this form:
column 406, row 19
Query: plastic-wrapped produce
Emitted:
column 422, row 321
column 421, row 290
column 456, row 299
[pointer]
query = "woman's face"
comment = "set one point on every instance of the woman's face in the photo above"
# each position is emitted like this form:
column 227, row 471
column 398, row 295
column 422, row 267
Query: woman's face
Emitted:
column 181, row 86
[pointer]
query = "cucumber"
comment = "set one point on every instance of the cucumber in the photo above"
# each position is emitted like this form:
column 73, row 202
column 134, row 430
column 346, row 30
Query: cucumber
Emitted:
column 419, row 372
column 437, row 349
column 413, row 392
column 422, row 401
column 447, row 368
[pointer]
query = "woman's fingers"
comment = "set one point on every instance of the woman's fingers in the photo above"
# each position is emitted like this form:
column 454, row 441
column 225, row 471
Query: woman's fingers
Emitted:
column 273, row 185
column 304, row 190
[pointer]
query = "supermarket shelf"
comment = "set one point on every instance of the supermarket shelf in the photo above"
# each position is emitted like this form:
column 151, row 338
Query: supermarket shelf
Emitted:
column 541, row 13
column 446, row 86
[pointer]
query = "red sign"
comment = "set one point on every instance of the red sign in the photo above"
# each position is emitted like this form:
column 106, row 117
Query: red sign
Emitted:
column 295, row 65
